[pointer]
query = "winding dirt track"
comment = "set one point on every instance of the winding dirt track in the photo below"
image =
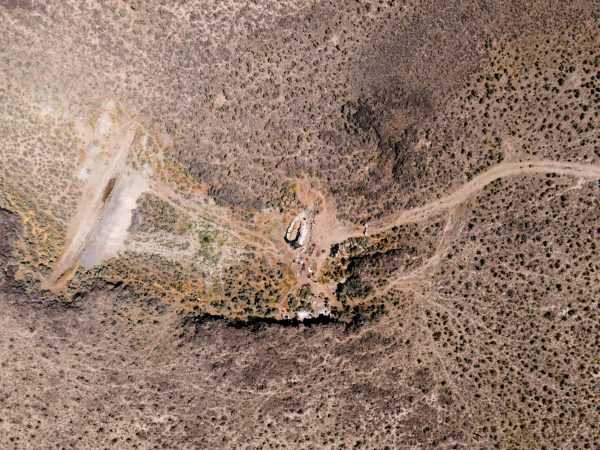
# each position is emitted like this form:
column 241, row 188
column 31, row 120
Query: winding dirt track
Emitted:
column 454, row 200
column 502, row 170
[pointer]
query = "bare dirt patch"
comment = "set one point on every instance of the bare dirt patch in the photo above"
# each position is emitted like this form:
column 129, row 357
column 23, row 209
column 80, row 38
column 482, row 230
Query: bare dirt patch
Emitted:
column 108, row 143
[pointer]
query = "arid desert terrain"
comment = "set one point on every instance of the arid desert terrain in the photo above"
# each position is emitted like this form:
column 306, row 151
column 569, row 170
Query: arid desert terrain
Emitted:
column 301, row 224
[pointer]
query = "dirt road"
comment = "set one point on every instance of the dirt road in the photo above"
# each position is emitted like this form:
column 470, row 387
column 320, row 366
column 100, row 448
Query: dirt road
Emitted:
column 454, row 200
column 503, row 170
